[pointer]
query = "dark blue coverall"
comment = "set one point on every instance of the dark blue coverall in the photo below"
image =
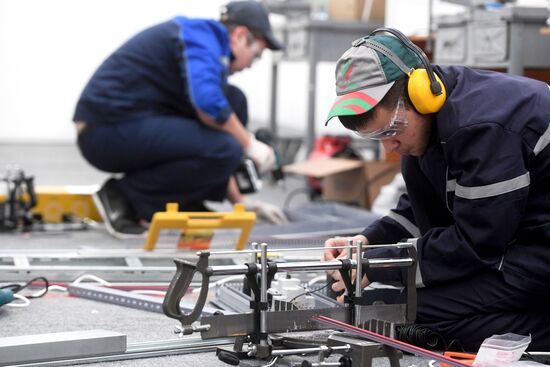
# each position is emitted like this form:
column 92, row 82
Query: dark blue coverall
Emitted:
column 478, row 202
column 139, row 109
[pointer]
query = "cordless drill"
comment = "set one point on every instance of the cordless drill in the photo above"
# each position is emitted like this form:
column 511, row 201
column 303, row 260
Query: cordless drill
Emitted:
column 247, row 175
column 265, row 136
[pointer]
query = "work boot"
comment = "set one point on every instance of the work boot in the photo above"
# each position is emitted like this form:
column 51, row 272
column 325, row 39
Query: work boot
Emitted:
column 117, row 213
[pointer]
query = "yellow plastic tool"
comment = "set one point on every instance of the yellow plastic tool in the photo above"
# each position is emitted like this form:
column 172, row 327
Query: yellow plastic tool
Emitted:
column 172, row 218
column 195, row 239
column 54, row 201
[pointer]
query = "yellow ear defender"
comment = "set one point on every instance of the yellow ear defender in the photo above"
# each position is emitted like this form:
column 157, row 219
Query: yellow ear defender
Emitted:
column 426, row 90
column 421, row 95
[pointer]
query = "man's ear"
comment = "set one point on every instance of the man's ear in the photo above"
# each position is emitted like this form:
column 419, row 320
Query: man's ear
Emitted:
column 238, row 33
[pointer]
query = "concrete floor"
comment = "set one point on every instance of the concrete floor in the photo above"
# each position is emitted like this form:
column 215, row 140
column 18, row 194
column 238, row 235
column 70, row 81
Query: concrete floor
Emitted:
column 62, row 164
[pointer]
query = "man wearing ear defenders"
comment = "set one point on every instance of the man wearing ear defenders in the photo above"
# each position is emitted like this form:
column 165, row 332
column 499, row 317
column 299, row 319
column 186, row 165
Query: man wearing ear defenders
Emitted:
column 160, row 111
column 476, row 162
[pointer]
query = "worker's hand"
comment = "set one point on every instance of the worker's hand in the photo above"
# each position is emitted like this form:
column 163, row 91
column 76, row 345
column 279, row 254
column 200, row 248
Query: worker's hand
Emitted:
column 262, row 154
column 266, row 211
column 332, row 253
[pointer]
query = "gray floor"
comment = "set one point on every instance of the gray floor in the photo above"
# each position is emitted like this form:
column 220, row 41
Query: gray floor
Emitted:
column 63, row 165
column 50, row 164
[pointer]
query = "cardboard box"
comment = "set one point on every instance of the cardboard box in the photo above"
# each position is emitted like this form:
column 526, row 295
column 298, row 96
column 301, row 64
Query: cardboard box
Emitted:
column 345, row 9
column 348, row 181
column 357, row 10
column 374, row 10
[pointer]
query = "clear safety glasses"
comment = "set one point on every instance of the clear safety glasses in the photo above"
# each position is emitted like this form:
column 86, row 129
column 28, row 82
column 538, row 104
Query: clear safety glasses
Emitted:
column 396, row 126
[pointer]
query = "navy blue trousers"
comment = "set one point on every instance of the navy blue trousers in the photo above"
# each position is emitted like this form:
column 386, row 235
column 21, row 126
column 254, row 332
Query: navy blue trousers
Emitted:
column 166, row 158
column 471, row 309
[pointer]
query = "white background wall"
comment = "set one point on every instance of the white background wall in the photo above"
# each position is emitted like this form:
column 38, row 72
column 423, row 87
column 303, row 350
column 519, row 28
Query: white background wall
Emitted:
column 50, row 48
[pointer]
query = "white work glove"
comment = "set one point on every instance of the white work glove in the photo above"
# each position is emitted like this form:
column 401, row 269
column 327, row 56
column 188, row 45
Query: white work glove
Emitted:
column 262, row 154
column 266, row 211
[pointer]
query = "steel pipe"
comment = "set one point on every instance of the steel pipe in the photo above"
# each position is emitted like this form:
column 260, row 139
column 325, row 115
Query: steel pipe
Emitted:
column 253, row 250
column 299, row 266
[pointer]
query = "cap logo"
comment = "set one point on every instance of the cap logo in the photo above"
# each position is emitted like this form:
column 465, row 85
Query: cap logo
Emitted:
column 346, row 73
column 224, row 14
column 352, row 104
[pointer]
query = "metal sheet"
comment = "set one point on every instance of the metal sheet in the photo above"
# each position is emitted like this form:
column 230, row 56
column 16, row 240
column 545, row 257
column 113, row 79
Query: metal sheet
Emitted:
column 45, row 347
column 158, row 348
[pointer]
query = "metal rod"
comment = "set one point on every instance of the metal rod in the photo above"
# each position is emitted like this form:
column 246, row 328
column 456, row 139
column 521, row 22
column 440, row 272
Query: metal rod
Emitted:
column 263, row 296
column 350, row 257
column 337, row 264
column 253, row 252
column 160, row 348
column 358, row 273
column 390, row 263
column 309, row 266
column 359, row 270
column 284, row 352
column 229, row 252
column 349, row 248
column 227, row 270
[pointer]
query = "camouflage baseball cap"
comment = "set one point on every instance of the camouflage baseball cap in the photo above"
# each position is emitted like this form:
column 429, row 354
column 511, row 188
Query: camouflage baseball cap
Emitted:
column 367, row 71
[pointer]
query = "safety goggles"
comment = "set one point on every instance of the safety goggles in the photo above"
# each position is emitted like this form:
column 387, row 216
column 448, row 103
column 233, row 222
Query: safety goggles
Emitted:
column 396, row 126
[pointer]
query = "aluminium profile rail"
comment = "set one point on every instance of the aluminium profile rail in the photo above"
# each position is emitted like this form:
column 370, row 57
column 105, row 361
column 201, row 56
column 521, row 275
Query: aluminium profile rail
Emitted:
column 131, row 299
column 56, row 266
column 160, row 348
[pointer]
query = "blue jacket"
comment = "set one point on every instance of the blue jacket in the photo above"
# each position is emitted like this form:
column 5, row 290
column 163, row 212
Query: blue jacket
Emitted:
column 479, row 197
column 173, row 68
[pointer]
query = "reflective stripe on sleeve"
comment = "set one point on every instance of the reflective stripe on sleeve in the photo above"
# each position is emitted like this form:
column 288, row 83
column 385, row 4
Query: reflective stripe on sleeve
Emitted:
column 451, row 185
column 418, row 277
column 407, row 224
column 543, row 141
column 485, row 191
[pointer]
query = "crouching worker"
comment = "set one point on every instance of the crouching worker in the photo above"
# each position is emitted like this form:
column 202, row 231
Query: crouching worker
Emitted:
column 160, row 112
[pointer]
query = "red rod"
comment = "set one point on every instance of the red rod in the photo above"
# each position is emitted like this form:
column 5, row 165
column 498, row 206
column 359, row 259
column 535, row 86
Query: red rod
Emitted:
column 390, row 341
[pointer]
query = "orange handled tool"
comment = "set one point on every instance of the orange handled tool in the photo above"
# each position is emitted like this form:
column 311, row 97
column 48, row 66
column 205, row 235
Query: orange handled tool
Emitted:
column 466, row 358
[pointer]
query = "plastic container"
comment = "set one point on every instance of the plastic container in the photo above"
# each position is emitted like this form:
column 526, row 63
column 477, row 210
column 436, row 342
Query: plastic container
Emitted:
column 499, row 350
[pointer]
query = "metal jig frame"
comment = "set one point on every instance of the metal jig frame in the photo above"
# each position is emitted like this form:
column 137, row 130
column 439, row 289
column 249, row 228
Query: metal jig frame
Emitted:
column 255, row 326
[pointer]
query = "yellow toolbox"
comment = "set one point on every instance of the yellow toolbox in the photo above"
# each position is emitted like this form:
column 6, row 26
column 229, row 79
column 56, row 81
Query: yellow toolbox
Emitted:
column 55, row 201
